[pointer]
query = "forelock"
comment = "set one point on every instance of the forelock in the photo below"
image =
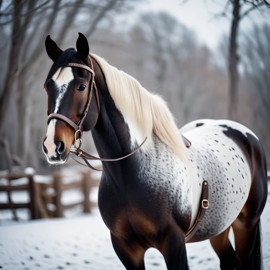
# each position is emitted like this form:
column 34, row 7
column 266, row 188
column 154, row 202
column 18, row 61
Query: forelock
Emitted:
column 66, row 57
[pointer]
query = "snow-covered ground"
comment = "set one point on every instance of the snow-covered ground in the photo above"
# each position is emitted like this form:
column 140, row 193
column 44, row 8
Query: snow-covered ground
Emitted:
column 84, row 243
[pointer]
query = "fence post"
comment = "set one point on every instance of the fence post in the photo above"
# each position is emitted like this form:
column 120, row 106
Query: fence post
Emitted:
column 86, row 190
column 33, row 197
column 58, row 183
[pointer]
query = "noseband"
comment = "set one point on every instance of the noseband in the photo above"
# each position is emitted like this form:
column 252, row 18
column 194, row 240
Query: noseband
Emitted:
column 78, row 126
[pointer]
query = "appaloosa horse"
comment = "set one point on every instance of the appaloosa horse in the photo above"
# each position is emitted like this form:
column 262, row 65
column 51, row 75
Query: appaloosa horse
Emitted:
column 160, row 187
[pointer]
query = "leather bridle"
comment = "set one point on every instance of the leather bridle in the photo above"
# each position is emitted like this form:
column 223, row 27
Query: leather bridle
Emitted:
column 78, row 127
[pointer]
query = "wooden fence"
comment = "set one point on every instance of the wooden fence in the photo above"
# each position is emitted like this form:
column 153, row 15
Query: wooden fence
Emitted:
column 51, row 194
column 46, row 197
column 28, row 186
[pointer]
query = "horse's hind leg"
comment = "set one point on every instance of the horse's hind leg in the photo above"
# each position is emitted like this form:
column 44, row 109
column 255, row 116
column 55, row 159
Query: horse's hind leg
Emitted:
column 130, row 253
column 247, row 245
column 224, row 250
column 247, row 225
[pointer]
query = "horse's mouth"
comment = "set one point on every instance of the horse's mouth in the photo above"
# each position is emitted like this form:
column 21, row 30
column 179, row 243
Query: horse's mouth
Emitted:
column 56, row 160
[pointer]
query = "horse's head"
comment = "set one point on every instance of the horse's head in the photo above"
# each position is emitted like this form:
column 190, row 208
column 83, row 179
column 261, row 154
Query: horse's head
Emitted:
column 70, row 87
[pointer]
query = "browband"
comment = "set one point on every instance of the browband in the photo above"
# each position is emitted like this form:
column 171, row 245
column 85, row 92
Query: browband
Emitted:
column 81, row 66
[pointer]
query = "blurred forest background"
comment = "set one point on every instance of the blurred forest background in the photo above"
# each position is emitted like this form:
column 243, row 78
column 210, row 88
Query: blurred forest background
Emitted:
column 155, row 47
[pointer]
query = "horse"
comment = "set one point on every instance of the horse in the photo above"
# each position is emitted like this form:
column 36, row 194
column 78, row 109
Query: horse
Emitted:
column 160, row 187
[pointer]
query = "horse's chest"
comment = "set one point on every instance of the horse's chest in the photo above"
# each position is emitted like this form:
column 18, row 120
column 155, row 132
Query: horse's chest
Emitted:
column 166, row 183
column 158, row 192
column 134, row 213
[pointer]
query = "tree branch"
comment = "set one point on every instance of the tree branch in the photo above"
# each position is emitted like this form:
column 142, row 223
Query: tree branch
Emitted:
column 98, row 18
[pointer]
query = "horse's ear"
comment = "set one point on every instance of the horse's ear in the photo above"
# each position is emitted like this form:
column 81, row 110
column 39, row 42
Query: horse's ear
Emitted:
column 52, row 49
column 82, row 47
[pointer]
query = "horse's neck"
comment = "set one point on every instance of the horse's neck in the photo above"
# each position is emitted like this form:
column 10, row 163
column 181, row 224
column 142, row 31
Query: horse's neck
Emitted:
column 111, row 133
column 112, row 136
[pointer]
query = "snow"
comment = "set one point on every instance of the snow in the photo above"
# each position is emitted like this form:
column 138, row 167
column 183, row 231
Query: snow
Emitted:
column 84, row 243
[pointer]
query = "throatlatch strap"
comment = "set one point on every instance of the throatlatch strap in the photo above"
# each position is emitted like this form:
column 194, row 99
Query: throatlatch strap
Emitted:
column 204, row 204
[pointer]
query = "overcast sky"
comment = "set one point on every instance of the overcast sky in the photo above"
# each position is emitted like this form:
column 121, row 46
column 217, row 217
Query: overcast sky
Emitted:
column 201, row 16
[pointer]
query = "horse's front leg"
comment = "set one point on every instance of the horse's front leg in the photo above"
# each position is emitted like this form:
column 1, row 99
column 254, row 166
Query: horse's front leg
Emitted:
column 129, row 252
column 173, row 249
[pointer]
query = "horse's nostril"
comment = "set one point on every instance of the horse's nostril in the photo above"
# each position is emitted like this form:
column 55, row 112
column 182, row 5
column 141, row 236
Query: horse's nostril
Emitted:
column 60, row 147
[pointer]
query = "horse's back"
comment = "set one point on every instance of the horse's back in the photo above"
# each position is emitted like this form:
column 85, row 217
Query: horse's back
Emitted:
column 230, row 157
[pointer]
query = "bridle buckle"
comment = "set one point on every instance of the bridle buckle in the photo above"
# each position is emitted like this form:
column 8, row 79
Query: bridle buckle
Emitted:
column 205, row 204
column 77, row 139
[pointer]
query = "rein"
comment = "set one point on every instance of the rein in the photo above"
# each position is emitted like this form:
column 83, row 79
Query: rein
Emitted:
column 78, row 126
column 85, row 156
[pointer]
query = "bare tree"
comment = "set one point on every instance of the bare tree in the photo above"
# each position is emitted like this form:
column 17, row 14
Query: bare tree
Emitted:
column 256, row 51
column 177, row 66
column 25, row 24
column 239, row 10
column 167, row 38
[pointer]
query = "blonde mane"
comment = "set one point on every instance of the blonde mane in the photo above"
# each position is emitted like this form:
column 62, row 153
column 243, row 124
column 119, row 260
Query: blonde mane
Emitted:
column 145, row 111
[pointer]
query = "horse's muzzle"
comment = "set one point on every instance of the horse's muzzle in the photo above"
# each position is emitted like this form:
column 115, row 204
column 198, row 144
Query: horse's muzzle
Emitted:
column 56, row 153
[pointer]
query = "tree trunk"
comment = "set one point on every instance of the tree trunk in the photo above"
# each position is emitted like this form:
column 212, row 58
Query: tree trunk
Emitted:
column 12, row 64
column 24, row 110
column 24, row 100
column 233, row 62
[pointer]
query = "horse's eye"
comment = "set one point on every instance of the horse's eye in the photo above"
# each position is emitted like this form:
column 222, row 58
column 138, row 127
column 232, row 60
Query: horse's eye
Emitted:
column 82, row 87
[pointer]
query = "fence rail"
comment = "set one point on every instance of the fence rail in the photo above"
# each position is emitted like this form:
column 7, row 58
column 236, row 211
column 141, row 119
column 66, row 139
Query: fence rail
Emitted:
column 28, row 187
column 46, row 197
